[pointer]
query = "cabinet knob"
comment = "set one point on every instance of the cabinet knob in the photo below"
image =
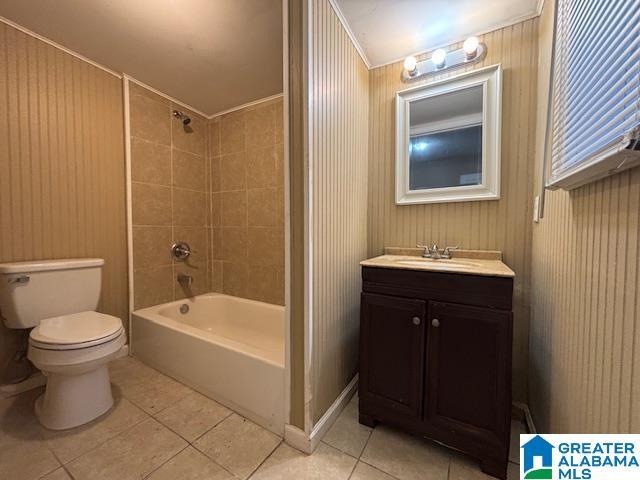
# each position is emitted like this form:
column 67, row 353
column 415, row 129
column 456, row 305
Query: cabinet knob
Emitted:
column 435, row 322
column 416, row 320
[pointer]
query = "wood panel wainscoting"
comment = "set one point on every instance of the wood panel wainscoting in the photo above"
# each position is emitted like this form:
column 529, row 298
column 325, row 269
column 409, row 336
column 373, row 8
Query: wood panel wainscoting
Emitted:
column 62, row 187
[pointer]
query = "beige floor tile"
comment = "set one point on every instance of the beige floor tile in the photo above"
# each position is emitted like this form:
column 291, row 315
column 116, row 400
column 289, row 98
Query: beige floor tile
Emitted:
column 130, row 455
column 465, row 468
column 156, row 396
column 145, row 387
column 517, row 429
column 367, row 472
column 17, row 419
column 23, row 453
column 59, row 474
column 193, row 415
column 406, row 457
column 326, row 463
column 70, row 444
column 347, row 434
column 238, row 445
column 26, row 459
column 190, row 464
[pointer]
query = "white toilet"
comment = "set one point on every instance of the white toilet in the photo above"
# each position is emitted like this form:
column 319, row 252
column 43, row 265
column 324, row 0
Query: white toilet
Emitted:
column 71, row 343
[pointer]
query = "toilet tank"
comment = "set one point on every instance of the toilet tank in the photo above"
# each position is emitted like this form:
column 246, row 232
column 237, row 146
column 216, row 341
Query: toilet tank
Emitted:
column 33, row 291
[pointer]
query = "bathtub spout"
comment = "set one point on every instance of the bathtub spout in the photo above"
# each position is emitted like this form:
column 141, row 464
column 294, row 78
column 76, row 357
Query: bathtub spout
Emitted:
column 185, row 280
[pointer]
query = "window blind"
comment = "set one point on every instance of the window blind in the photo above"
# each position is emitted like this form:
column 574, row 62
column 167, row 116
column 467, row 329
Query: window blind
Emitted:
column 596, row 90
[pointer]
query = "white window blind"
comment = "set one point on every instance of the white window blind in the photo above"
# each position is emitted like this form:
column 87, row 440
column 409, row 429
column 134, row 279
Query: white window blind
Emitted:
column 596, row 90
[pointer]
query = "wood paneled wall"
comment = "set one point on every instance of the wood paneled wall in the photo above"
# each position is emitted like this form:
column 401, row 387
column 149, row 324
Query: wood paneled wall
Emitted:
column 338, row 172
column 585, row 323
column 62, row 180
column 504, row 224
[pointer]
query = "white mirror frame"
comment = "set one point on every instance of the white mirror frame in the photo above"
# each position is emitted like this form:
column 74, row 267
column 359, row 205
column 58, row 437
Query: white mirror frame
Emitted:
column 490, row 78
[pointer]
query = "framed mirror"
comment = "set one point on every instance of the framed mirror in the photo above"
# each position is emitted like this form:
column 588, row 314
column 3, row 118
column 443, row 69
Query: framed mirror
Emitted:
column 448, row 139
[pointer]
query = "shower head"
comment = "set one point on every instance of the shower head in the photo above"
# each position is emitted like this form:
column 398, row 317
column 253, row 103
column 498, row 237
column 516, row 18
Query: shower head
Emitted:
column 186, row 120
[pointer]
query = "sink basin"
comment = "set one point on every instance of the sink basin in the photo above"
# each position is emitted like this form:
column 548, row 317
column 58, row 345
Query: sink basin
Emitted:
column 441, row 263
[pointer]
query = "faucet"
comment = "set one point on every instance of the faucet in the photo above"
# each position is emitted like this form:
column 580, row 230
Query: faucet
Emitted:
column 185, row 280
column 434, row 252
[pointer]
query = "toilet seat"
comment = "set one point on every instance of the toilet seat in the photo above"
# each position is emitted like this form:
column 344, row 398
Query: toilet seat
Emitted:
column 76, row 331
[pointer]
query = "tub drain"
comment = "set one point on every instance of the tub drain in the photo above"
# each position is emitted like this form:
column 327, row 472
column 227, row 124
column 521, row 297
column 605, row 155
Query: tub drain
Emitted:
column 184, row 308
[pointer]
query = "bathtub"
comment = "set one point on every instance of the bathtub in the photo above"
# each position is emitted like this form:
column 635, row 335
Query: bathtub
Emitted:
column 227, row 348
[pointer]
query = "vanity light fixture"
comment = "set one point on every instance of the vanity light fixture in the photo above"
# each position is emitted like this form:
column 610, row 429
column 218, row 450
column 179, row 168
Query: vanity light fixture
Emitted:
column 471, row 52
column 439, row 58
column 410, row 65
column 470, row 47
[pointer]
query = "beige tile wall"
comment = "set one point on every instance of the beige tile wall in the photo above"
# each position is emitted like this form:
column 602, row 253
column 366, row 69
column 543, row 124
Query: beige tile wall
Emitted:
column 170, row 185
column 247, row 203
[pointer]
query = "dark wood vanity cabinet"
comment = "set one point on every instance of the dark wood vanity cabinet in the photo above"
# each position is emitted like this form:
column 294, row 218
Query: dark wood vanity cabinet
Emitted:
column 435, row 359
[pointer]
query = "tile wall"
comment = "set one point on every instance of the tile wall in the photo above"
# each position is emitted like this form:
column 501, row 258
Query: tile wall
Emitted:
column 170, row 185
column 247, row 203
column 216, row 184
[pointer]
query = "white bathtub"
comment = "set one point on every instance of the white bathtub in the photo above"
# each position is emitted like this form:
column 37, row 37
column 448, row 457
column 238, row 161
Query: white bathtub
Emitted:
column 228, row 348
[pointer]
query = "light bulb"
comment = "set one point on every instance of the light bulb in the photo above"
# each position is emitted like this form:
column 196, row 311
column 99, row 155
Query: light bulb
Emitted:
column 439, row 57
column 470, row 47
column 410, row 64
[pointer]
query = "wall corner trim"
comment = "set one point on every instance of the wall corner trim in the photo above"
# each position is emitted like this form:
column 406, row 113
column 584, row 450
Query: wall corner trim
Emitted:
column 299, row 439
column 350, row 33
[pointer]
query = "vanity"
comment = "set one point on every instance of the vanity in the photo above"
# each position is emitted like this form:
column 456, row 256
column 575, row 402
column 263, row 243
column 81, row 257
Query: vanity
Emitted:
column 435, row 350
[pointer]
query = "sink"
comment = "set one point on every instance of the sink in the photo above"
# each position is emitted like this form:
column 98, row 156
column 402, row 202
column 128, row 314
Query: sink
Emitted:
column 441, row 263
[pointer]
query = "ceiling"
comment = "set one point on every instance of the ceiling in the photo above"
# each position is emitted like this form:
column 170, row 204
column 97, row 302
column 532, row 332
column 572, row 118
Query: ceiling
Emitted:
column 389, row 30
column 211, row 55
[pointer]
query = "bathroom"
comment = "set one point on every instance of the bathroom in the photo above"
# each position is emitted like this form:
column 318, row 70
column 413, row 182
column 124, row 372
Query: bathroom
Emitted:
column 315, row 238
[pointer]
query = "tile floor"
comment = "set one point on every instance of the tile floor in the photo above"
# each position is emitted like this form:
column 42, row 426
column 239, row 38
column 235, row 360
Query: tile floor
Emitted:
column 160, row 429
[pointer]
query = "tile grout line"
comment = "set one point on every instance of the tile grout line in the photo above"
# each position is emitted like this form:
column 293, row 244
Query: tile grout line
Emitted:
column 166, row 461
column 266, row 458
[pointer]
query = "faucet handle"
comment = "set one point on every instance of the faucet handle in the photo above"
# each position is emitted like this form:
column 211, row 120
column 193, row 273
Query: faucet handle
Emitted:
column 448, row 250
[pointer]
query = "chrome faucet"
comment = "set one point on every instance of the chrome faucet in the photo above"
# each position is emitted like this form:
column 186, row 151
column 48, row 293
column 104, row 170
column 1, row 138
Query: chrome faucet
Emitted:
column 434, row 252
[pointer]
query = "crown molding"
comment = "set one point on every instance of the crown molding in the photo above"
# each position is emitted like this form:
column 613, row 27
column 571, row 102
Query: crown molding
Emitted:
column 246, row 105
column 77, row 55
column 352, row 36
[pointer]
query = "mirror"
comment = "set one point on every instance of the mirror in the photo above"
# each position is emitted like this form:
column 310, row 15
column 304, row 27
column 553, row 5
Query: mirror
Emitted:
column 448, row 139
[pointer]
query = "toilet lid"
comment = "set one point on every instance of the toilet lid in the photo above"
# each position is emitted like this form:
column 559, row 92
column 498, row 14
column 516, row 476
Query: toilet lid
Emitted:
column 77, row 328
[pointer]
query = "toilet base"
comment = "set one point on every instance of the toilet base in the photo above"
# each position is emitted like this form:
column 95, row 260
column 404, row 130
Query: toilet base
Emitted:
column 73, row 400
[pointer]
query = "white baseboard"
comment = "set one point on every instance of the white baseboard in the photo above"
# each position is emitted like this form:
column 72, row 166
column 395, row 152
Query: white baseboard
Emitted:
column 299, row 439
column 123, row 352
column 524, row 409
column 36, row 380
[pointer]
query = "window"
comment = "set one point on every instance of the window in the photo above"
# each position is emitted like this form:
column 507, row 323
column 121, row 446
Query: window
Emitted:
column 595, row 91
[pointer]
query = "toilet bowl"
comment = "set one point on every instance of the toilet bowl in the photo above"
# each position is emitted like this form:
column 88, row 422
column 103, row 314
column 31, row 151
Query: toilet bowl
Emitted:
column 69, row 341
column 73, row 352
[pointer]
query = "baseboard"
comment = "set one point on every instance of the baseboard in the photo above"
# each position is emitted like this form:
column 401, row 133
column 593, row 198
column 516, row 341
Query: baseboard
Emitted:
column 123, row 352
column 36, row 380
column 299, row 439
column 525, row 414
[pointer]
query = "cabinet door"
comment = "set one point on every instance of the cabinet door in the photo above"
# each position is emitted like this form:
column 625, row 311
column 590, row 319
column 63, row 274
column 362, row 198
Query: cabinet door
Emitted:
column 468, row 390
column 392, row 353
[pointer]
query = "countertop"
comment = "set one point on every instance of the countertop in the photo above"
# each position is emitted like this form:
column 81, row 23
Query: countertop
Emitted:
column 466, row 262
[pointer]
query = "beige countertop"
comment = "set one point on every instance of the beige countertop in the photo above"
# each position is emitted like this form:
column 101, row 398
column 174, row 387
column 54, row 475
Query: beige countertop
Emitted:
column 466, row 262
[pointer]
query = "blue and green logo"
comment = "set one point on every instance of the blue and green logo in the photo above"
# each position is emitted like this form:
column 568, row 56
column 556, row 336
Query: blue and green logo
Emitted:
column 537, row 459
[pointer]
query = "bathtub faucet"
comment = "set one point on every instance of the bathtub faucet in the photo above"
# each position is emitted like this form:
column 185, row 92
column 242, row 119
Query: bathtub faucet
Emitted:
column 185, row 280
